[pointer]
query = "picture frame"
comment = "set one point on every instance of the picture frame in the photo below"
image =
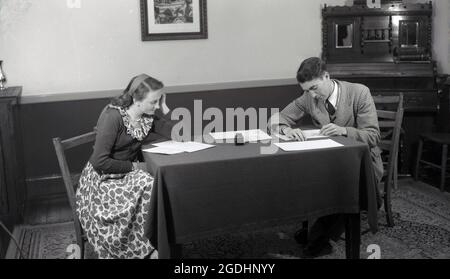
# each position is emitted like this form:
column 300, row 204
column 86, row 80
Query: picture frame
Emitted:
column 173, row 20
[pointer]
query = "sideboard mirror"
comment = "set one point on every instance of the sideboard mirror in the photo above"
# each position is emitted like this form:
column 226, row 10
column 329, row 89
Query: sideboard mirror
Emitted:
column 386, row 45
column 409, row 33
column 344, row 35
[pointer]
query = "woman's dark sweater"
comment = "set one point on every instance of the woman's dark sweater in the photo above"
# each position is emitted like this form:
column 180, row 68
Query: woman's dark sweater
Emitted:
column 114, row 149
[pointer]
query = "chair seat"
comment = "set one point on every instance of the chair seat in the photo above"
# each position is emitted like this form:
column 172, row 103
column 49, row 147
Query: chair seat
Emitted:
column 442, row 138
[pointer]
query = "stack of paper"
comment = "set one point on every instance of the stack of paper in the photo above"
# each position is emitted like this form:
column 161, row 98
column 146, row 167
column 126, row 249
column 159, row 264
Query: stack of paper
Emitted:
column 175, row 147
column 249, row 135
column 313, row 134
column 308, row 145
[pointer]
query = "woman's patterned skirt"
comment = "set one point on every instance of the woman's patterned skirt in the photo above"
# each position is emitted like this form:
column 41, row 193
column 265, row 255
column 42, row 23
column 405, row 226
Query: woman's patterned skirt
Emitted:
column 113, row 210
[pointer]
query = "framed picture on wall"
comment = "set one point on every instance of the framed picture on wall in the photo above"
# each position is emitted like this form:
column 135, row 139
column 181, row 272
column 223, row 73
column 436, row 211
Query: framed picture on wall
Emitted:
column 173, row 20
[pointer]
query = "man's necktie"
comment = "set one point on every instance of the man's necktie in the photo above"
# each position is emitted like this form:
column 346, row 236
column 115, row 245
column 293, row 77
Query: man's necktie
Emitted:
column 331, row 110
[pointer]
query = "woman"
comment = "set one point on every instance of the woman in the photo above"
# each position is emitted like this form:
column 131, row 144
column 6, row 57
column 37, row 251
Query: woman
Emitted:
column 113, row 199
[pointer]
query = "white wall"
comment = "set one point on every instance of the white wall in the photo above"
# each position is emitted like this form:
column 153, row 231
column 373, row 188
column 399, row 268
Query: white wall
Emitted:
column 50, row 48
column 441, row 37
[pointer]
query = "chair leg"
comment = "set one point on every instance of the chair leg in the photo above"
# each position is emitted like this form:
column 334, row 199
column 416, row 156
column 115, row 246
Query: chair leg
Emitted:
column 79, row 237
column 387, row 204
column 395, row 174
column 419, row 157
column 82, row 249
column 176, row 251
column 443, row 166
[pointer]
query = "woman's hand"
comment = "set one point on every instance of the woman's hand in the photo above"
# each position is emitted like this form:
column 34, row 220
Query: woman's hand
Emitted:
column 163, row 106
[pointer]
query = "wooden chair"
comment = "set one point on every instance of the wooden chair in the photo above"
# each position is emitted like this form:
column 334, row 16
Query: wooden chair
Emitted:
column 71, row 180
column 442, row 139
column 390, row 122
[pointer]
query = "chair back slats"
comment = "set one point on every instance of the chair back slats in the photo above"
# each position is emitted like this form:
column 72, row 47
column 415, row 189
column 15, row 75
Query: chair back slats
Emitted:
column 386, row 124
column 71, row 180
column 384, row 114
column 391, row 126
column 65, row 171
column 78, row 140
column 385, row 145
column 387, row 99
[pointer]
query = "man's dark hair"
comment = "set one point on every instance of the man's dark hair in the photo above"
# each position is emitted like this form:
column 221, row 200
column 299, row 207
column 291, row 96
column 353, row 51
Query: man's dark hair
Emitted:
column 310, row 69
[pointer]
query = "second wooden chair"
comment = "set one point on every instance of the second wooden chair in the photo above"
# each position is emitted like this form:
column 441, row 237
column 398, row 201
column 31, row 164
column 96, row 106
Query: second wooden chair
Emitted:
column 390, row 122
column 70, row 179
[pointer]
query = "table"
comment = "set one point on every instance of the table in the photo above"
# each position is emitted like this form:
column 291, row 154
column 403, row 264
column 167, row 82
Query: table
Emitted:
column 200, row 194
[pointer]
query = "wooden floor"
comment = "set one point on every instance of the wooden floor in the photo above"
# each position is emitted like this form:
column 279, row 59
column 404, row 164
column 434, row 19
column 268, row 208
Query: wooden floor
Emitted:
column 56, row 209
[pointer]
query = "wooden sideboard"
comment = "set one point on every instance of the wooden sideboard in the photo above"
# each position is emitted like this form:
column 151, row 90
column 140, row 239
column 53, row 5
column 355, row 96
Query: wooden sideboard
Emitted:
column 12, row 182
column 388, row 49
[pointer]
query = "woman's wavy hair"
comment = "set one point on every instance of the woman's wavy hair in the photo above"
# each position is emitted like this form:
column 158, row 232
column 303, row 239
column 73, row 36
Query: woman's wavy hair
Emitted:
column 137, row 89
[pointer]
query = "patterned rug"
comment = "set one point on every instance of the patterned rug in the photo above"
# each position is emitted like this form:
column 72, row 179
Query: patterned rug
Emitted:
column 422, row 231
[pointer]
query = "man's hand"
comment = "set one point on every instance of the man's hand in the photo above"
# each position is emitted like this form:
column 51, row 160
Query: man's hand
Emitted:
column 293, row 134
column 333, row 130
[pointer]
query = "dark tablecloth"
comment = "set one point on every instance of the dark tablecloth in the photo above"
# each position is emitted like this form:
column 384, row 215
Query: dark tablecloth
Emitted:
column 199, row 194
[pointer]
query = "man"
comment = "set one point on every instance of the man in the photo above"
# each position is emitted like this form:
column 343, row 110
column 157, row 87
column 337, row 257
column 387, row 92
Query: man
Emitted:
column 340, row 109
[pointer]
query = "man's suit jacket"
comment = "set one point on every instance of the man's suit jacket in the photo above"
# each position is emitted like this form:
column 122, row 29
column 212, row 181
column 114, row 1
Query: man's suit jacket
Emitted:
column 355, row 110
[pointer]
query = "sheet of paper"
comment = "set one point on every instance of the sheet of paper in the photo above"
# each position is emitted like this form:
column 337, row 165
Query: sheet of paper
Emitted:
column 309, row 134
column 307, row 145
column 162, row 150
column 249, row 135
column 188, row 146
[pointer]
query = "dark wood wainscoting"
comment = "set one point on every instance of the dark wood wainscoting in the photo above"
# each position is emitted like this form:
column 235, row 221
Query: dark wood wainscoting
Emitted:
column 43, row 121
